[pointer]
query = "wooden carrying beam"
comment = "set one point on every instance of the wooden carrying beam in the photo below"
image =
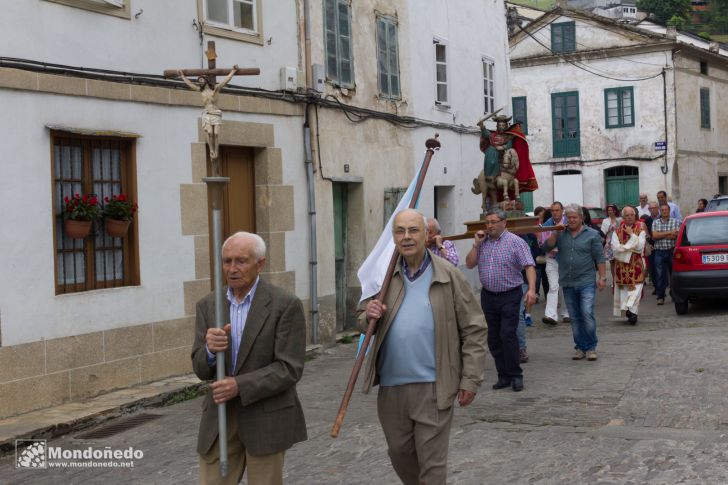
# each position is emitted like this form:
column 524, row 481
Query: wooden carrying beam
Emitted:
column 514, row 230
column 241, row 71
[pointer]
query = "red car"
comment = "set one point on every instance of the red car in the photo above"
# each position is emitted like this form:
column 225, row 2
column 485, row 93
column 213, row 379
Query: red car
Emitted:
column 700, row 261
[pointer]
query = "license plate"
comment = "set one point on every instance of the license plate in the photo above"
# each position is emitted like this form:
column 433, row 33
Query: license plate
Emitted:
column 717, row 258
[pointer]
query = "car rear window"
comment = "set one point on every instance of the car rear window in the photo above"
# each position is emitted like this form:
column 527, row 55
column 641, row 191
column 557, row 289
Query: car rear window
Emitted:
column 704, row 231
column 717, row 205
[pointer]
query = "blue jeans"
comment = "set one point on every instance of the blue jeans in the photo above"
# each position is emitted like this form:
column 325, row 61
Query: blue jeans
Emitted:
column 580, row 301
column 663, row 268
column 521, row 329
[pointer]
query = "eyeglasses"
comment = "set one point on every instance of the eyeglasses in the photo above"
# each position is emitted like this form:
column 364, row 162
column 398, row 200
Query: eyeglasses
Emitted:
column 412, row 231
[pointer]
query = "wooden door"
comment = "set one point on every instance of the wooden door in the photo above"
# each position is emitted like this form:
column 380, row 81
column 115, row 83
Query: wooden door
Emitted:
column 239, row 194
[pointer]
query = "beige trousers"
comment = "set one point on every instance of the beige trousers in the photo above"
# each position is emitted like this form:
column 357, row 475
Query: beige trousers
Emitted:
column 262, row 470
column 417, row 432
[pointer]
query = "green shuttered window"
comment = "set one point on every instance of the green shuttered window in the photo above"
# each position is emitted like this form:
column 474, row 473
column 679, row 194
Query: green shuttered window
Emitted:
column 388, row 57
column 704, row 108
column 563, row 37
column 520, row 112
column 337, row 28
column 565, row 124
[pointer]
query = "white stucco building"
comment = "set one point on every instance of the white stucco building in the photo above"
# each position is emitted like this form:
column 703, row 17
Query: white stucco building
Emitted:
column 463, row 73
column 87, row 111
column 614, row 110
column 400, row 72
column 318, row 148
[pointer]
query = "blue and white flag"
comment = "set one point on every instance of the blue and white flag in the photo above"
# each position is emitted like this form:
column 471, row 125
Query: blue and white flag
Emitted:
column 374, row 268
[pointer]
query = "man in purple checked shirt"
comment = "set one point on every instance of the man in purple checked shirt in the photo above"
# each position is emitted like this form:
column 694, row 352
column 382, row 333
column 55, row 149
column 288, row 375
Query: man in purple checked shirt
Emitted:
column 500, row 257
column 444, row 249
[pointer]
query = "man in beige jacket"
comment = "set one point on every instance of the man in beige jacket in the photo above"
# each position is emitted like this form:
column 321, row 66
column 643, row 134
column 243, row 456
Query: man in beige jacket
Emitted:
column 429, row 350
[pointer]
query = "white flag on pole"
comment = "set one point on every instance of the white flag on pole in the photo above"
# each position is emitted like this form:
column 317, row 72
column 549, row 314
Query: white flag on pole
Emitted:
column 374, row 268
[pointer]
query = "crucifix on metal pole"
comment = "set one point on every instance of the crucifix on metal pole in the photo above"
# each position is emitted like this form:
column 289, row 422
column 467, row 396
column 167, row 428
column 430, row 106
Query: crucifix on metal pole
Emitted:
column 208, row 88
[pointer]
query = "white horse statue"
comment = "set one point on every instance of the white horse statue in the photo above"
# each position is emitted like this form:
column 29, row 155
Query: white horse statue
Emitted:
column 488, row 186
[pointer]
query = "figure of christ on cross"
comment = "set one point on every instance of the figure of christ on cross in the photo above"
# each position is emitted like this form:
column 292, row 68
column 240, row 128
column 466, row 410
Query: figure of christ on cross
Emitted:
column 209, row 90
column 212, row 116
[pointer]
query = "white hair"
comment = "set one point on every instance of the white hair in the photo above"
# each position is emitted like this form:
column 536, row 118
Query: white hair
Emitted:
column 258, row 247
column 436, row 224
column 574, row 209
column 424, row 219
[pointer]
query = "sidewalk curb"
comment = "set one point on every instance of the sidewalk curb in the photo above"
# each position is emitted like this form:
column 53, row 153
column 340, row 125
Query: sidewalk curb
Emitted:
column 71, row 417
column 35, row 425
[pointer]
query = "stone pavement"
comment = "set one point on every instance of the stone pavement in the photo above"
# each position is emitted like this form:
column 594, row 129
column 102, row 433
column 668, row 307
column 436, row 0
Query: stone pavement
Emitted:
column 652, row 409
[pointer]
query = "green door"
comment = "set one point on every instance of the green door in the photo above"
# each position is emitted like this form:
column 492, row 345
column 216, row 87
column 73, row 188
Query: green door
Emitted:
column 340, row 203
column 622, row 186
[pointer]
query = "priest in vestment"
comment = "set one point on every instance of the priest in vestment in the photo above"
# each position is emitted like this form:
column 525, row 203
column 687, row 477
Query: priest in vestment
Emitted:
column 628, row 244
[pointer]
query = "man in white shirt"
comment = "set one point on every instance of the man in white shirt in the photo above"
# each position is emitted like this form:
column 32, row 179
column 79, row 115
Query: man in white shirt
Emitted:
column 644, row 208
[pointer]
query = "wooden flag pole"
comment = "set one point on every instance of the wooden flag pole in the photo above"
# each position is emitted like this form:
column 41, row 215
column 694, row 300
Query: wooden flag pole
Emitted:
column 432, row 144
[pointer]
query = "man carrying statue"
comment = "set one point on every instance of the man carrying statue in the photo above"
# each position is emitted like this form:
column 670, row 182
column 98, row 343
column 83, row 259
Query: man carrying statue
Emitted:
column 507, row 169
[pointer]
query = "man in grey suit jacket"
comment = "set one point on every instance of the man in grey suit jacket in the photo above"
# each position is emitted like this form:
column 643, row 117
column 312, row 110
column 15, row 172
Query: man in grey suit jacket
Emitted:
column 265, row 345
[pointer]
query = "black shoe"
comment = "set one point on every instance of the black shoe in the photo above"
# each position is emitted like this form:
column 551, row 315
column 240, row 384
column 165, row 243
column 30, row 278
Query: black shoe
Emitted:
column 631, row 318
column 549, row 321
column 566, row 319
column 517, row 384
column 502, row 383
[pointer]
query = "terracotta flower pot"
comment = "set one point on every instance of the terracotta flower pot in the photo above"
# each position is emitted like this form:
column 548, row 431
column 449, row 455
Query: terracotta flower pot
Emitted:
column 77, row 229
column 115, row 227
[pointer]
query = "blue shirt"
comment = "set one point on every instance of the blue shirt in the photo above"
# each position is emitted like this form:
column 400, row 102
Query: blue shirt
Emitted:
column 238, row 317
column 675, row 211
column 577, row 255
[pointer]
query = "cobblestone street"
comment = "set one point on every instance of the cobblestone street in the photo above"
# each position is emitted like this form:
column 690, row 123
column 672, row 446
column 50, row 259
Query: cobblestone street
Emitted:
column 651, row 409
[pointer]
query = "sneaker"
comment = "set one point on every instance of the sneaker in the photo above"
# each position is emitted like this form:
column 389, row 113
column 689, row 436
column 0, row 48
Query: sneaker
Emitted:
column 566, row 319
column 523, row 356
column 528, row 320
column 578, row 355
column 591, row 355
column 660, row 301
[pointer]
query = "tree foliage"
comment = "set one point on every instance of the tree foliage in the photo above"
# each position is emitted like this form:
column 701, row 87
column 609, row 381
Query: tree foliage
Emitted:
column 718, row 18
column 664, row 10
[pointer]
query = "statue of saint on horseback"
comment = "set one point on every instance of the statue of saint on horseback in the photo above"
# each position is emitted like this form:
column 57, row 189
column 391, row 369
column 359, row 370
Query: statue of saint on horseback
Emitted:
column 507, row 170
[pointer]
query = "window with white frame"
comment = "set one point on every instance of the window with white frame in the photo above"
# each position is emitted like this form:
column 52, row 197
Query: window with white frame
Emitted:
column 238, row 15
column 440, row 72
column 117, row 8
column 337, row 29
column 388, row 57
column 489, row 84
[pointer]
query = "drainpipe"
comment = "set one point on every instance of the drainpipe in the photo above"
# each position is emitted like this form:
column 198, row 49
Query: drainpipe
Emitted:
column 664, row 168
column 675, row 173
column 308, row 149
